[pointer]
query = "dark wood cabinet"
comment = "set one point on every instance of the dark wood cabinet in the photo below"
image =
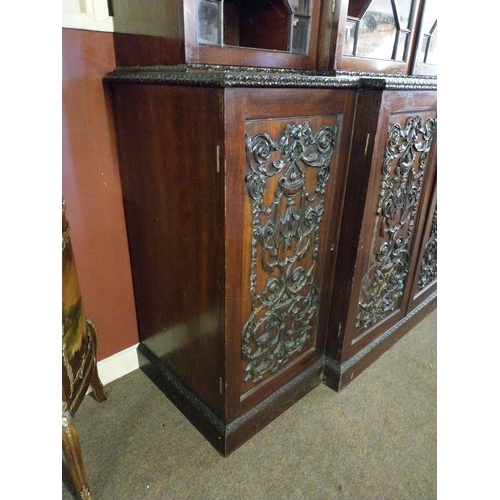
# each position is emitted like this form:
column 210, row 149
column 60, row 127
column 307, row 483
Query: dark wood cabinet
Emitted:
column 233, row 201
column 378, row 36
column 280, row 186
column 266, row 33
column 386, row 269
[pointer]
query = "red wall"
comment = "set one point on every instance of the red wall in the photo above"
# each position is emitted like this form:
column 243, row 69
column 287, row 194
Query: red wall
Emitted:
column 91, row 188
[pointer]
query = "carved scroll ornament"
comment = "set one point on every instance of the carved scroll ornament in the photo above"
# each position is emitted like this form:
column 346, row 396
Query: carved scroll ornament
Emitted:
column 284, row 243
column 405, row 159
column 428, row 271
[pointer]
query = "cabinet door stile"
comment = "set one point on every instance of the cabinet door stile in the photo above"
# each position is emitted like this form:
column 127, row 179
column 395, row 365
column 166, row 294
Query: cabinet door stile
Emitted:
column 235, row 106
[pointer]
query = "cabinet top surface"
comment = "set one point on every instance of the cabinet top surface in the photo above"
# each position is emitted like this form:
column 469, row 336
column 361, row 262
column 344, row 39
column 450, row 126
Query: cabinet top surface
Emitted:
column 229, row 76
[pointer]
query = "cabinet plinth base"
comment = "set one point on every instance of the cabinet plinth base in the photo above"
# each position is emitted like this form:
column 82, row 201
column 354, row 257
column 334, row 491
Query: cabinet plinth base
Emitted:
column 338, row 375
column 227, row 437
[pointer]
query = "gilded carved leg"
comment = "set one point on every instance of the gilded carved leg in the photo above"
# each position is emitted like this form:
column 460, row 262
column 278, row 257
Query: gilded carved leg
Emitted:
column 97, row 387
column 95, row 381
column 73, row 454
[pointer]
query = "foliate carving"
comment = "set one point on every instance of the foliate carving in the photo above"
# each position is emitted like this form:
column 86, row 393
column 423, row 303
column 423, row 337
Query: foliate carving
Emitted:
column 284, row 243
column 405, row 159
column 428, row 271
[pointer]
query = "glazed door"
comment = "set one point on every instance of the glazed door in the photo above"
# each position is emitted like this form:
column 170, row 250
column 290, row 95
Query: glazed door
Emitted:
column 285, row 169
column 398, row 154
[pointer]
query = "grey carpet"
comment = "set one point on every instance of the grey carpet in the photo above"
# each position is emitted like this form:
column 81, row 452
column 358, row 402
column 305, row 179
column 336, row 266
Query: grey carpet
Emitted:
column 376, row 439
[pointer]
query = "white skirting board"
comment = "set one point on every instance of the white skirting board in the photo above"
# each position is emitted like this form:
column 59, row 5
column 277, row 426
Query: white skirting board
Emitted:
column 118, row 365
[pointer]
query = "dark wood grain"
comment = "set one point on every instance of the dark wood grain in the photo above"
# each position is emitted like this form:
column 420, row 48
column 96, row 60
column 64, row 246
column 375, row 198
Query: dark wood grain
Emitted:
column 172, row 196
column 158, row 32
column 361, row 233
column 183, row 164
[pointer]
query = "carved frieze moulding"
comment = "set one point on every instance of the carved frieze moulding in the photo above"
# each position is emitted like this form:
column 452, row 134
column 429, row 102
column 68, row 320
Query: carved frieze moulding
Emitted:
column 428, row 271
column 405, row 159
column 285, row 239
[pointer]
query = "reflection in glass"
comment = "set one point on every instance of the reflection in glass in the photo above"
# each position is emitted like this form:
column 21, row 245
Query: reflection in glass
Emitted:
column 208, row 22
column 404, row 38
column 281, row 25
column 300, row 6
column 300, row 35
column 350, row 36
column 404, row 13
column 377, row 31
column 428, row 45
column 429, row 48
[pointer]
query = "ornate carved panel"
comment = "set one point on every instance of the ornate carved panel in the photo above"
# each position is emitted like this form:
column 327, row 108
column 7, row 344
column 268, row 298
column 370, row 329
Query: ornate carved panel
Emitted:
column 428, row 271
column 405, row 159
column 288, row 171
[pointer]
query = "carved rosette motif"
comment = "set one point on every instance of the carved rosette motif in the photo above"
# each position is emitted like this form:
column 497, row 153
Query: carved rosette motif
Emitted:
column 428, row 271
column 284, row 243
column 403, row 167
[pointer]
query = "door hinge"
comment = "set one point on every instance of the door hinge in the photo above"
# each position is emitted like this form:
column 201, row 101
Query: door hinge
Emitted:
column 367, row 141
column 218, row 158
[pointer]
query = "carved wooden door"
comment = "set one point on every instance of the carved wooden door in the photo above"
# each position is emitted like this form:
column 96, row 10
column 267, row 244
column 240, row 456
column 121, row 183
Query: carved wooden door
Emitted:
column 285, row 164
column 390, row 170
column 425, row 277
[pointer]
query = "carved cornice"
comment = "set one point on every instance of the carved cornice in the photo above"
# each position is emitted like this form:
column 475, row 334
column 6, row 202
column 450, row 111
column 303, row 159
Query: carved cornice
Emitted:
column 236, row 76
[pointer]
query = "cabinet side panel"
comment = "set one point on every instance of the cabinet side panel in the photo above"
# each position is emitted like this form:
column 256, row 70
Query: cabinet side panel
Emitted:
column 172, row 196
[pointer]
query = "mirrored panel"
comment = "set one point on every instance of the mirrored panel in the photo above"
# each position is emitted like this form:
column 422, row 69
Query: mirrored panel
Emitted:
column 377, row 31
column 281, row 25
column 300, row 40
column 404, row 10
column 350, row 37
column 302, row 7
column 209, row 22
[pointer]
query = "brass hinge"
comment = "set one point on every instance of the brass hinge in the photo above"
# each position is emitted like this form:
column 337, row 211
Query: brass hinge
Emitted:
column 367, row 141
column 218, row 158
column 333, row 6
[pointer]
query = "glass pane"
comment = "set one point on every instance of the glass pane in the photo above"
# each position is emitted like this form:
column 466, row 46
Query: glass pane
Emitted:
column 209, row 22
column 403, row 40
column 432, row 54
column 430, row 16
column 377, row 31
column 350, row 35
column 300, row 35
column 404, row 12
column 300, row 6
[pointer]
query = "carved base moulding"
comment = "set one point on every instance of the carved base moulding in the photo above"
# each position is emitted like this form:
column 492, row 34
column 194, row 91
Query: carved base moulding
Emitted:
column 226, row 437
column 339, row 375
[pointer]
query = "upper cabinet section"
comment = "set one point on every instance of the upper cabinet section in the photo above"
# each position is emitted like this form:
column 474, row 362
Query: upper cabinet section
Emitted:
column 375, row 36
column 370, row 35
column 263, row 33
column 425, row 60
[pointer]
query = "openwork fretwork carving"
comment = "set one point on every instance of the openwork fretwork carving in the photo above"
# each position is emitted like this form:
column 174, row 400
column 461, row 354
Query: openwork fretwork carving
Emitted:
column 428, row 271
column 285, row 242
column 405, row 159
